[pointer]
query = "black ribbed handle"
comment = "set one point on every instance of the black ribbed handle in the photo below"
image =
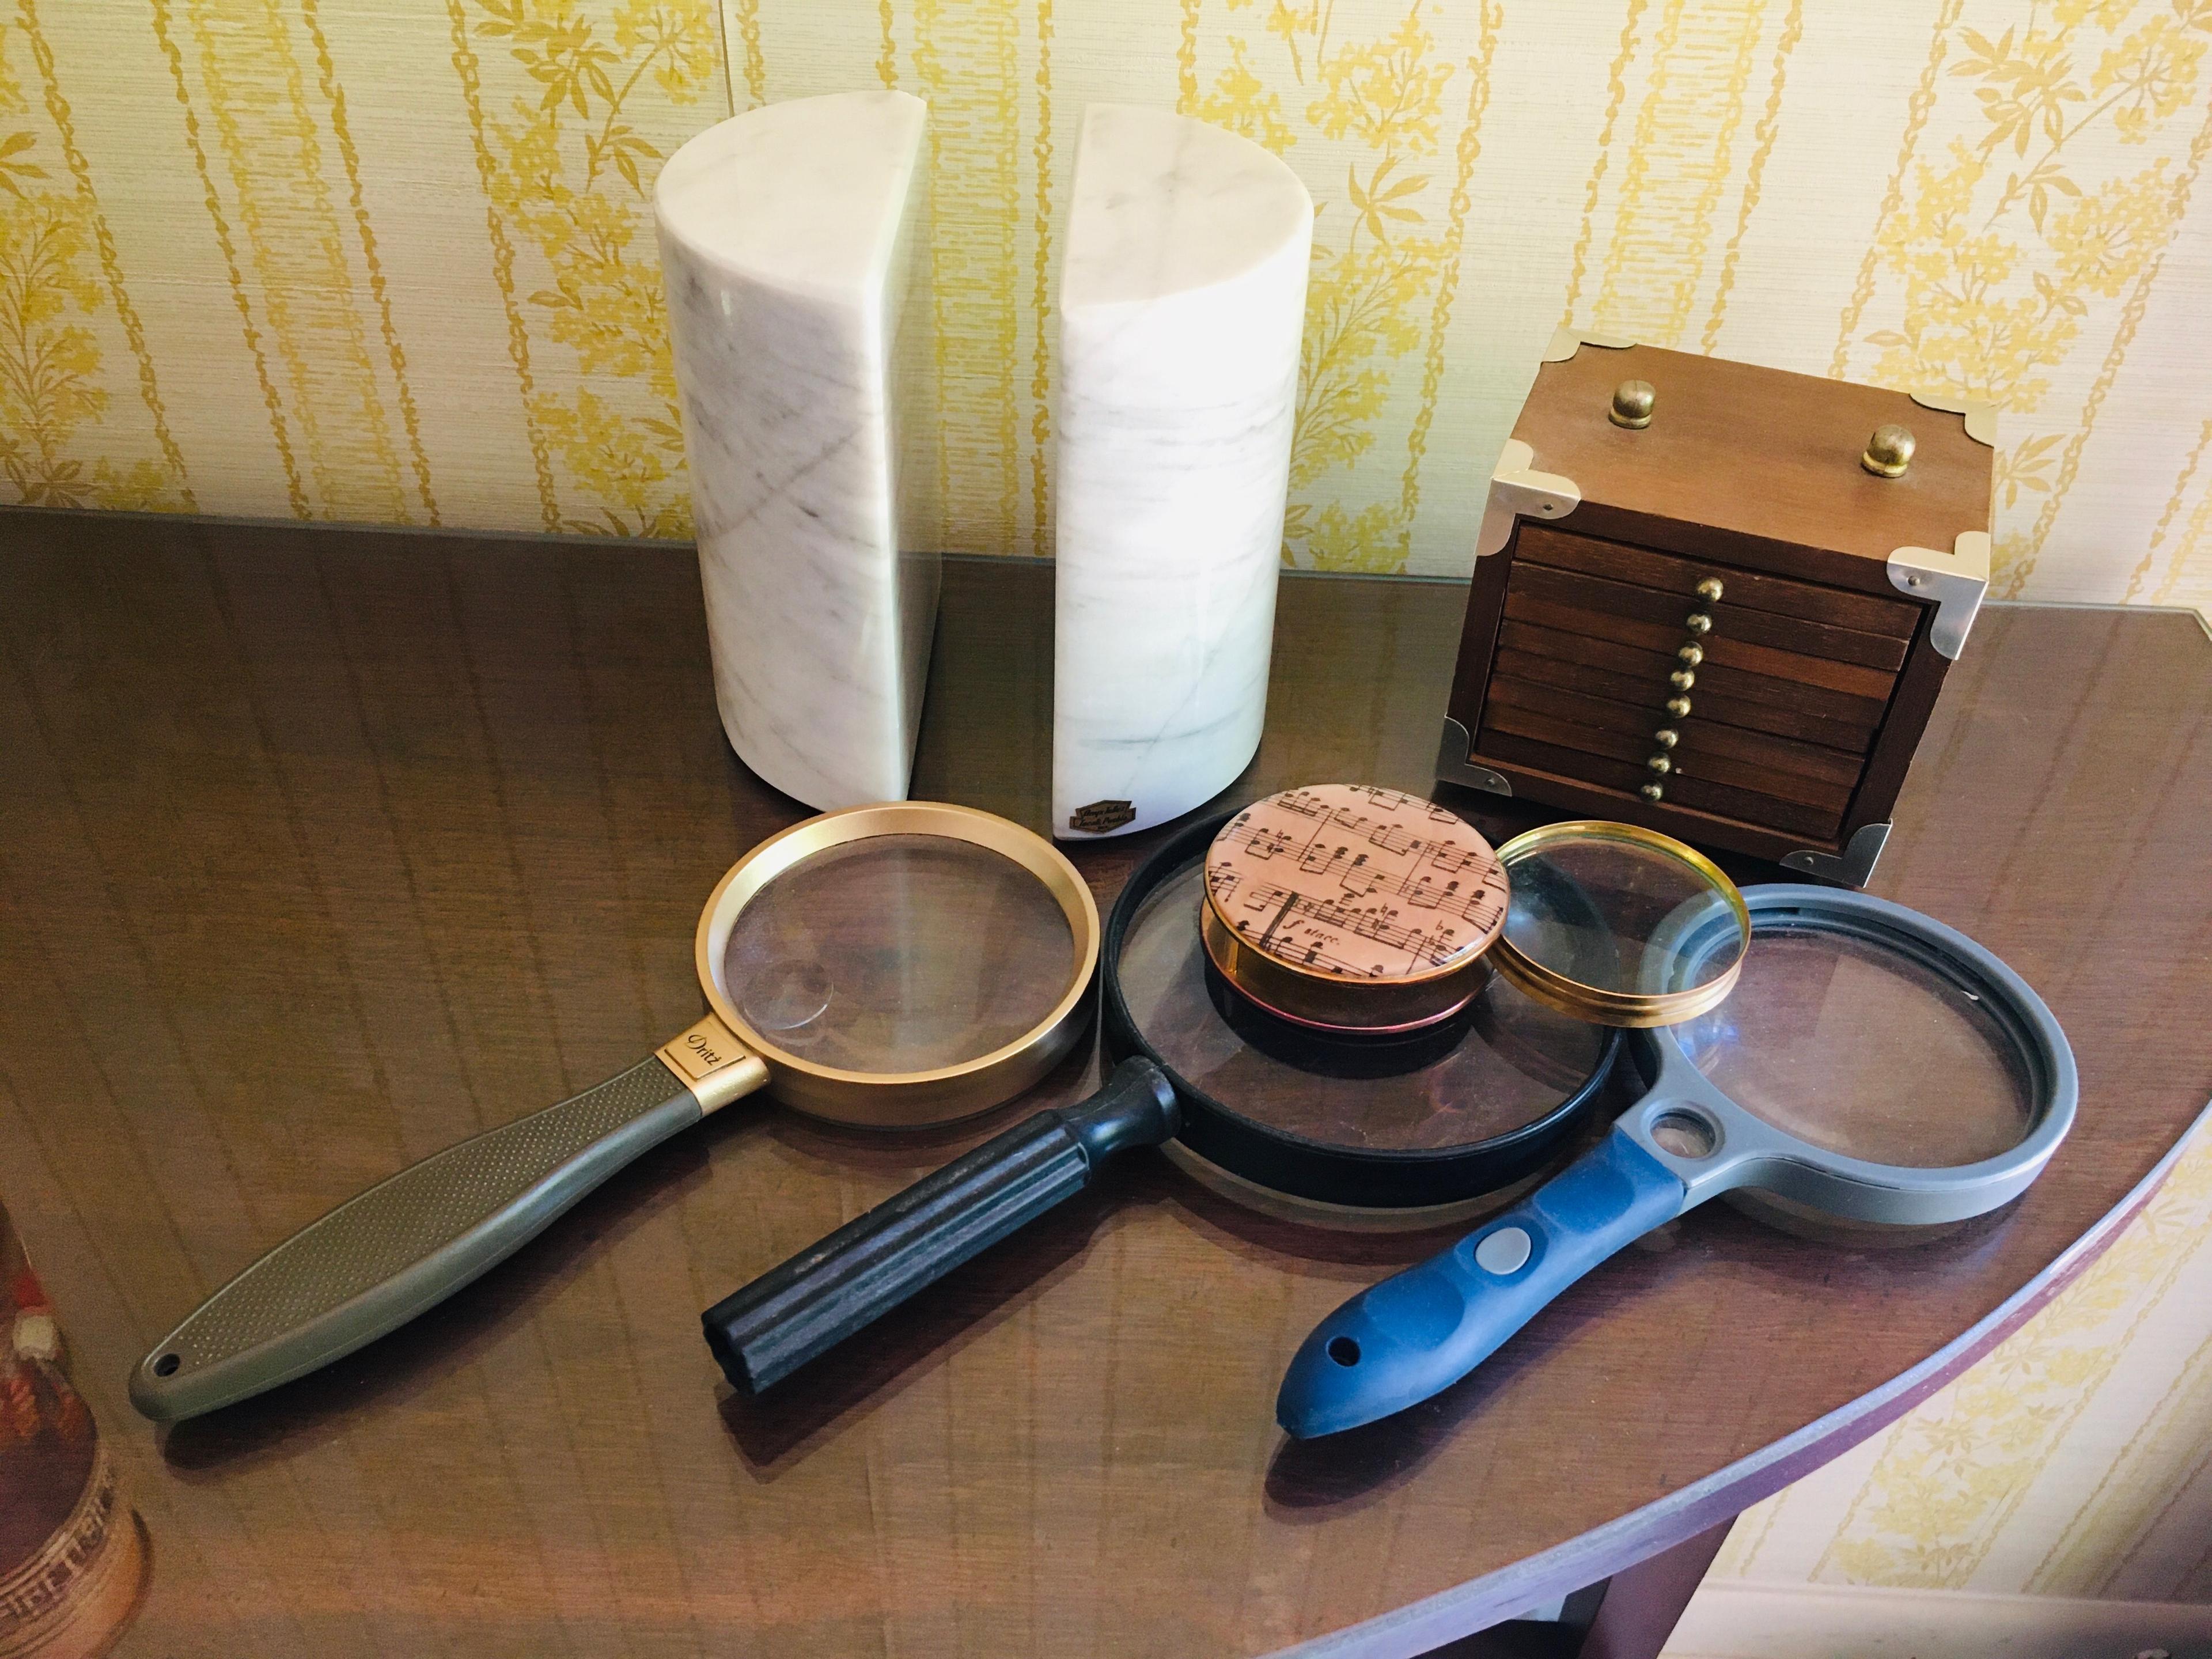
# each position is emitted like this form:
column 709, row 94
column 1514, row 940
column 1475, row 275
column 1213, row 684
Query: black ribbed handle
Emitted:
column 868, row 1266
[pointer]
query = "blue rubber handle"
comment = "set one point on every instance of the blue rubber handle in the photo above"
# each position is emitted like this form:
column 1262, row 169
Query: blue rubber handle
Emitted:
column 1397, row 1343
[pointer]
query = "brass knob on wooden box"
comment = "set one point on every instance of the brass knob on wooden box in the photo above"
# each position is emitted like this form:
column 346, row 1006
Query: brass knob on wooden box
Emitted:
column 1632, row 403
column 1698, row 623
column 1665, row 737
column 1711, row 590
column 1691, row 654
column 1678, row 707
column 1682, row 679
column 1660, row 764
column 1653, row 792
column 1888, row 452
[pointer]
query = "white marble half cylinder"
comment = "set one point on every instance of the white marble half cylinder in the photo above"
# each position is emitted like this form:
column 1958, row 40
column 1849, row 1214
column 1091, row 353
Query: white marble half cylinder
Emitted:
column 1182, row 301
column 793, row 243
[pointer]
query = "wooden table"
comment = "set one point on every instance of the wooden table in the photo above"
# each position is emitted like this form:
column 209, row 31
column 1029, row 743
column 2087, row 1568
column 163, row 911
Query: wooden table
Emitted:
column 321, row 850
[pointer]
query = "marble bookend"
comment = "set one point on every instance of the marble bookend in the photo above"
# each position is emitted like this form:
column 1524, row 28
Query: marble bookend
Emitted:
column 1182, row 302
column 793, row 247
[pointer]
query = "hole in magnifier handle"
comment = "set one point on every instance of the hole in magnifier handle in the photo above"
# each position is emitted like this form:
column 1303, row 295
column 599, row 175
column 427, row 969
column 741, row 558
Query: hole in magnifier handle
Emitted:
column 1344, row 1351
column 166, row 1366
column 1685, row 1133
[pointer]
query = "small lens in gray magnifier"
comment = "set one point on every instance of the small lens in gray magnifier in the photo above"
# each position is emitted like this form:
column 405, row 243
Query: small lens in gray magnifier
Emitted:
column 1865, row 1052
column 899, row 953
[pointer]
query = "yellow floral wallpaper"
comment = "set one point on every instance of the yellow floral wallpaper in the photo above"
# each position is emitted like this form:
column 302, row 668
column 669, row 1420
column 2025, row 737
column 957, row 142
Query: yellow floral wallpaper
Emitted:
column 1388, row 244
column 391, row 261
column 566, row 160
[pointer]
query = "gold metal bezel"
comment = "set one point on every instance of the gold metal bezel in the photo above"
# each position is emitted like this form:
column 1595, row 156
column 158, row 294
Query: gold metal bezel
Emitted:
column 905, row 1099
column 1632, row 1009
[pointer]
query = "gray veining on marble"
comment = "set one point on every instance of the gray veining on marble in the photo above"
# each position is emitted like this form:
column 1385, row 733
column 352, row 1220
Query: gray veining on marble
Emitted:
column 794, row 248
column 1181, row 304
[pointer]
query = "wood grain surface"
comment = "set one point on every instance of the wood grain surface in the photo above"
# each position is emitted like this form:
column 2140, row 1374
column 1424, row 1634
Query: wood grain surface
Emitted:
column 321, row 850
column 1757, row 459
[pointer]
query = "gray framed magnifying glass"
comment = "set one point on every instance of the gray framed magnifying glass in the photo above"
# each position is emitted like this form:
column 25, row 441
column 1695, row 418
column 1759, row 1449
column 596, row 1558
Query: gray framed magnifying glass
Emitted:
column 1870, row 1064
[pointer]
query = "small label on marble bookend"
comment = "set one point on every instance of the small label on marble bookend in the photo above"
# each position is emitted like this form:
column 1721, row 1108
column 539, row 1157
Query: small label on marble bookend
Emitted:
column 1103, row 818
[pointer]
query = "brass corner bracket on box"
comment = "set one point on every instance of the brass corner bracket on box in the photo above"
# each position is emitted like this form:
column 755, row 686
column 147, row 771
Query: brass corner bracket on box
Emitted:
column 1516, row 489
column 1956, row 581
column 1454, row 766
column 1981, row 418
column 1565, row 341
column 1853, row 866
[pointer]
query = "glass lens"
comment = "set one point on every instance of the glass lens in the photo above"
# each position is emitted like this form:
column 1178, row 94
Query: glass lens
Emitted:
column 1863, row 1051
column 899, row 953
column 1506, row 1063
column 1605, row 913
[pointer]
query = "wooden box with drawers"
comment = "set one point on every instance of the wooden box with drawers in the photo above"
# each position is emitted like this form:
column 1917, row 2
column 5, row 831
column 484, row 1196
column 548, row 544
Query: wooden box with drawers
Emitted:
column 1719, row 600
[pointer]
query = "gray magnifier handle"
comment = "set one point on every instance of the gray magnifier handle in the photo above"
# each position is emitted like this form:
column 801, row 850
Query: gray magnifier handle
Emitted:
column 1413, row 1335
column 379, row 1260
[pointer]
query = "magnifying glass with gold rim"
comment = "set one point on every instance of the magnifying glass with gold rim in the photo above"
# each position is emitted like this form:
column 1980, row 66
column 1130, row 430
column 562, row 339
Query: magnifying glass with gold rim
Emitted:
column 893, row 966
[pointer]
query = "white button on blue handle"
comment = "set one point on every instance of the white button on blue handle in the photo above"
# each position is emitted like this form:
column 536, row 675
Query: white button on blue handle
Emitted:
column 1402, row 1341
column 1505, row 1251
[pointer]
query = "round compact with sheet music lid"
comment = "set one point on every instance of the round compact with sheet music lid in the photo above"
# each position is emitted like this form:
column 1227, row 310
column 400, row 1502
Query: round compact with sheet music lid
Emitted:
column 1350, row 909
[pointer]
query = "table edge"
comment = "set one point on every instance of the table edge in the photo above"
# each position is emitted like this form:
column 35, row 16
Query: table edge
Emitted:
column 1448, row 1614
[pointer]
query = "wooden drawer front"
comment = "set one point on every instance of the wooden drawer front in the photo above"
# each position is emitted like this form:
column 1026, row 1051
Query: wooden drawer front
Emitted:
column 1639, row 678
column 1790, row 693
column 1796, row 771
column 1705, row 795
column 1668, row 573
column 1552, row 599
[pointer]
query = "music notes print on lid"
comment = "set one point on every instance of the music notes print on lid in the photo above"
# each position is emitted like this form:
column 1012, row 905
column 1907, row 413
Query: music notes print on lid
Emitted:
column 1354, row 882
